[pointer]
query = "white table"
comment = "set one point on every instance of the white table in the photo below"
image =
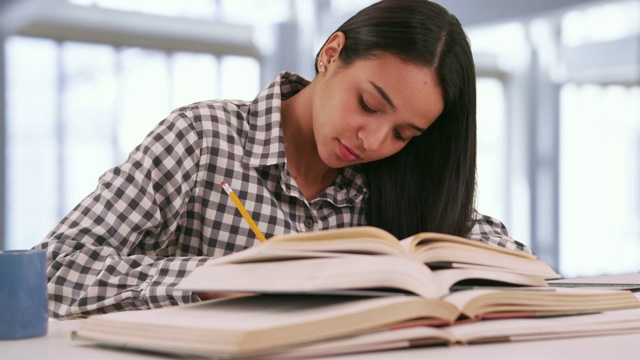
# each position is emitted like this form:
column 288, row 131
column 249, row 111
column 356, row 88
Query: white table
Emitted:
column 58, row 345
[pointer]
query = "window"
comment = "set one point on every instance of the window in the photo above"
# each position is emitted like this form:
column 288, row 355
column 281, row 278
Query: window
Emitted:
column 501, row 186
column 32, row 112
column 615, row 20
column 599, row 179
column 599, row 153
column 87, row 128
column 492, row 149
column 75, row 109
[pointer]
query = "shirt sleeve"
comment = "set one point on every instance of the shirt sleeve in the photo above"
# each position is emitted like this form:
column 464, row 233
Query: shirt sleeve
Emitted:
column 116, row 249
column 492, row 231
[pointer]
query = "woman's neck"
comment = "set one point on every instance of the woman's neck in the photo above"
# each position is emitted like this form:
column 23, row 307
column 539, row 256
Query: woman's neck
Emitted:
column 303, row 161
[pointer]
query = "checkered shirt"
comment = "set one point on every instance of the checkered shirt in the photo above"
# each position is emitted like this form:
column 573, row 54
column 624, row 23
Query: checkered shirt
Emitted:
column 163, row 212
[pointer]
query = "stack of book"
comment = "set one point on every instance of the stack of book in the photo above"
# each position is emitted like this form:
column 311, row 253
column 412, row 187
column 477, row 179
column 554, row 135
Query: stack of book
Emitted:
column 360, row 289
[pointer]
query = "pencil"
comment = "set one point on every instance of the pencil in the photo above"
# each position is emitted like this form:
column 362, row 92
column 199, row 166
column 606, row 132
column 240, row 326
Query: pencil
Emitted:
column 243, row 211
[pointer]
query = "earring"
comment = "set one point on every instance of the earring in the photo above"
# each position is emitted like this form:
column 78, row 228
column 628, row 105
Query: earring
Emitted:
column 321, row 67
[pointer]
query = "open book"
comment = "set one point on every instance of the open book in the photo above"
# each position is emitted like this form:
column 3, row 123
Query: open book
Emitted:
column 302, row 325
column 507, row 330
column 367, row 260
column 629, row 281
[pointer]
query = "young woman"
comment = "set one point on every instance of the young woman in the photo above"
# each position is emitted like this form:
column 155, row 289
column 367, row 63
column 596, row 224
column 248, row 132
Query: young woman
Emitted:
column 384, row 135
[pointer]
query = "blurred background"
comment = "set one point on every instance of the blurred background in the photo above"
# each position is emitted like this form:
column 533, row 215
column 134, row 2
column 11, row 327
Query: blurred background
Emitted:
column 83, row 81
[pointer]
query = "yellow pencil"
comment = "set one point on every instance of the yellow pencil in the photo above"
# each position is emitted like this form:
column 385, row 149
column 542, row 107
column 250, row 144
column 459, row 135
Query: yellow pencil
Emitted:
column 243, row 211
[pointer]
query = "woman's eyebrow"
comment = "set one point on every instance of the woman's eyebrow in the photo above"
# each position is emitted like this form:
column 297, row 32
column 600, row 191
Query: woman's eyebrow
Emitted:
column 384, row 95
column 387, row 99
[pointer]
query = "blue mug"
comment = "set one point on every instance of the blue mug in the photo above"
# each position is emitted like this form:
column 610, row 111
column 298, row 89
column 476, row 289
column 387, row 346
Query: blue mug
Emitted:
column 23, row 294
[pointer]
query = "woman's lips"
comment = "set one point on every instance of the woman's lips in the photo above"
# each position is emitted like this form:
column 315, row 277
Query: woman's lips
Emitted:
column 346, row 153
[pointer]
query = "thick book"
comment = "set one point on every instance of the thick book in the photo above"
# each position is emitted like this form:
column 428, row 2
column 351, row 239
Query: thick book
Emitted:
column 313, row 325
column 507, row 330
column 368, row 260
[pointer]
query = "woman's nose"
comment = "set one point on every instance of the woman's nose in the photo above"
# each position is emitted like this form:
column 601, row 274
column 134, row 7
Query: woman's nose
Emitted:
column 372, row 136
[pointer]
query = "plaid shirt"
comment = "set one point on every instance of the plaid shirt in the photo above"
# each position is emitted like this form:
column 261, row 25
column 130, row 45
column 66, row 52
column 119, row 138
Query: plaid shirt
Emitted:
column 163, row 212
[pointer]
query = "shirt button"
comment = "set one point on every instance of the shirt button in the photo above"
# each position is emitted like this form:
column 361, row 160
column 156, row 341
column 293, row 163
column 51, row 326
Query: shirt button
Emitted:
column 308, row 223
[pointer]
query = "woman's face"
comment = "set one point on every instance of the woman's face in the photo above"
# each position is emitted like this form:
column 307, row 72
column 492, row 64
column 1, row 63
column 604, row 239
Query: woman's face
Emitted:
column 371, row 109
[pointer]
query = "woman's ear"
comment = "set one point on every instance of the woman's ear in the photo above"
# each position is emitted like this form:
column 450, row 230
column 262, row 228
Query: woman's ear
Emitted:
column 332, row 47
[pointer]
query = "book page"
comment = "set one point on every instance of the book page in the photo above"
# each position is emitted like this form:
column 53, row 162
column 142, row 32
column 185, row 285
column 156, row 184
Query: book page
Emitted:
column 259, row 312
column 544, row 301
column 450, row 277
column 355, row 245
column 555, row 327
column 317, row 275
column 460, row 254
column 253, row 323
column 619, row 281
column 375, row 341
column 336, row 234
column 262, row 254
column 326, row 243
column 424, row 239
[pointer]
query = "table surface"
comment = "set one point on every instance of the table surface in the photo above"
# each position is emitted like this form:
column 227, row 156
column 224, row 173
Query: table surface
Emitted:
column 59, row 345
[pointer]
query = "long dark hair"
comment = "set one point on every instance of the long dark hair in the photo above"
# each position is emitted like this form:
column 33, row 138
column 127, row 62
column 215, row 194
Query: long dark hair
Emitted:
column 430, row 184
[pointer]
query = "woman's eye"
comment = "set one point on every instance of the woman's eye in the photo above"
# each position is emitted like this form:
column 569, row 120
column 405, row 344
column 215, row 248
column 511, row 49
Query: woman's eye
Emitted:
column 399, row 136
column 366, row 107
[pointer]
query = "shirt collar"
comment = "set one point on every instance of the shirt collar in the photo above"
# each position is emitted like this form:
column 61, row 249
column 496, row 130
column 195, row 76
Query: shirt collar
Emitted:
column 265, row 143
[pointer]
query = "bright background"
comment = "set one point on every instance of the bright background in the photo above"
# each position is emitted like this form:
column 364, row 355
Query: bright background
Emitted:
column 558, row 107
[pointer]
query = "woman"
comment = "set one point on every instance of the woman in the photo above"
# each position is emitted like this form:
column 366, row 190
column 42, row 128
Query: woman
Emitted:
column 384, row 135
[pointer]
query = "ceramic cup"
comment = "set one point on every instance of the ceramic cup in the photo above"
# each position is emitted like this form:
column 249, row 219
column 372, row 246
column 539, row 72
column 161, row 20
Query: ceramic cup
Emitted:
column 23, row 294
